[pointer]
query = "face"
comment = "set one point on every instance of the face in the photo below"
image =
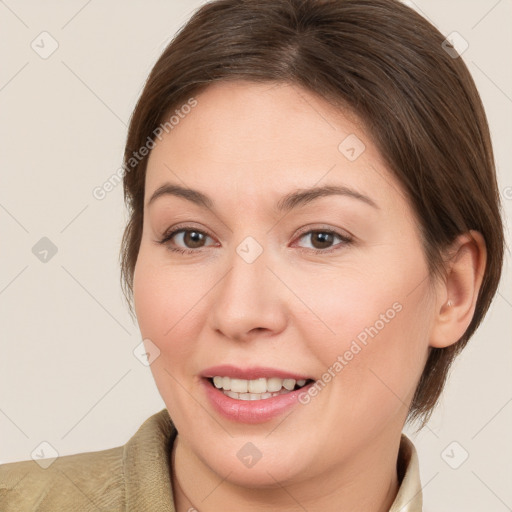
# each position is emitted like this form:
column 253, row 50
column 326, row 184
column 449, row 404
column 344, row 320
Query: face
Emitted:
column 329, row 288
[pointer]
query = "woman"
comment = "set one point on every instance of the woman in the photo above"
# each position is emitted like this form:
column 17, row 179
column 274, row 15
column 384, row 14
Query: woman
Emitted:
column 314, row 235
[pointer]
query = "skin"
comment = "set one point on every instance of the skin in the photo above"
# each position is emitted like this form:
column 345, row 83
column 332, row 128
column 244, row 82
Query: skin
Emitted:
column 296, row 307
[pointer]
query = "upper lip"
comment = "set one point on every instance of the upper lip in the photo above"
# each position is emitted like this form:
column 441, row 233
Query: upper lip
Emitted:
column 252, row 373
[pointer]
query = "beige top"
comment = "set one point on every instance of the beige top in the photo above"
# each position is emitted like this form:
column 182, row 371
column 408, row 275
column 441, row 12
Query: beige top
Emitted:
column 136, row 477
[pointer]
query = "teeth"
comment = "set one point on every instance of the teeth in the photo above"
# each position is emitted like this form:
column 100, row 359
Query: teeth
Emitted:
column 239, row 385
column 274, row 384
column 260, row 387
column 289, row 384
column 257, row 386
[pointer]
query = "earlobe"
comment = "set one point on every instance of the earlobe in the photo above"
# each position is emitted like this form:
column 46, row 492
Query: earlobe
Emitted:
column 457, row 295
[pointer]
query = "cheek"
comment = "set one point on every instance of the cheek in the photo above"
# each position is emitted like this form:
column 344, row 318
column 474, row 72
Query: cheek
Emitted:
column 380, row 321
column 167, row 306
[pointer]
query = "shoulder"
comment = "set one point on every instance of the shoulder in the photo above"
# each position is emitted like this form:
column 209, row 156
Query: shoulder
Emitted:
column 84, row 481
column 129, row 477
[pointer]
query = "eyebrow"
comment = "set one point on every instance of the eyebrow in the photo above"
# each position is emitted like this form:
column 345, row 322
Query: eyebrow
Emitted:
column 288, row 202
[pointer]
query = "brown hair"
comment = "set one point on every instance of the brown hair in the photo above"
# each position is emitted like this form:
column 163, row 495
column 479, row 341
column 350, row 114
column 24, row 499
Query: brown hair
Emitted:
column 376, row 58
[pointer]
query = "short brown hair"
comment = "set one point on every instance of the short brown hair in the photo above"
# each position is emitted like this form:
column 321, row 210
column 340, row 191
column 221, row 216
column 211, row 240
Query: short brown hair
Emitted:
column 380, row 60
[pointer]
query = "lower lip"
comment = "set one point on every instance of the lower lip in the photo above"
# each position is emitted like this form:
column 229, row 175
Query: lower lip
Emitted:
column 251, row 411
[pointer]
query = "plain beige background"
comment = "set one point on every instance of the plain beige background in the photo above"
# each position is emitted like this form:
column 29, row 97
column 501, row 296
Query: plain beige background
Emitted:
column 68, row 375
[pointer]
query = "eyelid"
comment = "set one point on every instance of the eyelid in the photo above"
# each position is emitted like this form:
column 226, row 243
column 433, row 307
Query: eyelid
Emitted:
column 322, row 228
column 185, row 227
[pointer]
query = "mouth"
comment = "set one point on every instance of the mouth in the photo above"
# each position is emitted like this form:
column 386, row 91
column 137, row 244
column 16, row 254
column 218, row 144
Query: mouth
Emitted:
column 255, row 394
column 256, row 389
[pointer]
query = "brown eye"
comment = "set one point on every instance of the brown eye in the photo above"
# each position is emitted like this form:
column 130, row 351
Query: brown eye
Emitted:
column 321, row 239
column 324, row 240
column 184, row 240
column 193, row 239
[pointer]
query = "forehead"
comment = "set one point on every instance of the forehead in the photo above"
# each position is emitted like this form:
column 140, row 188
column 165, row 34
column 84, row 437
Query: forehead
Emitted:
column 261, row 140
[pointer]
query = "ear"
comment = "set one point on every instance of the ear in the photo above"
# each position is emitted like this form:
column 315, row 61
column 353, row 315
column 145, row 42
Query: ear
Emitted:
column 457, row 295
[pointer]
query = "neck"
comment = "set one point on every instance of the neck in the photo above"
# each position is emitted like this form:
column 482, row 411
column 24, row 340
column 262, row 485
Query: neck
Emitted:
column 368, row 484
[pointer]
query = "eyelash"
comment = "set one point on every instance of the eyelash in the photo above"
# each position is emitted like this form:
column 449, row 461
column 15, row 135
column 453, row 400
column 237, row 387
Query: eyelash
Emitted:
column 345, row 240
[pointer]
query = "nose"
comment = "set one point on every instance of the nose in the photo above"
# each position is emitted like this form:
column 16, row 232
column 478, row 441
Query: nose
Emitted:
column 249, row 301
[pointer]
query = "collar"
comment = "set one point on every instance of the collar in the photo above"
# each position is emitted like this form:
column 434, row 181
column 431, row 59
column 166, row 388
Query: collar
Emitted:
column 147, row 466
column 409, row 497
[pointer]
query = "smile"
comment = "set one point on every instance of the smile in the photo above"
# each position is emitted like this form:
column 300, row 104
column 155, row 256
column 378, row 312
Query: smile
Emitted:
column 256, row 389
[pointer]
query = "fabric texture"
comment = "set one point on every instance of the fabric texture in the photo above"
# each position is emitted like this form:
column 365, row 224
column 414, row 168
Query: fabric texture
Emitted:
column 136, row 477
